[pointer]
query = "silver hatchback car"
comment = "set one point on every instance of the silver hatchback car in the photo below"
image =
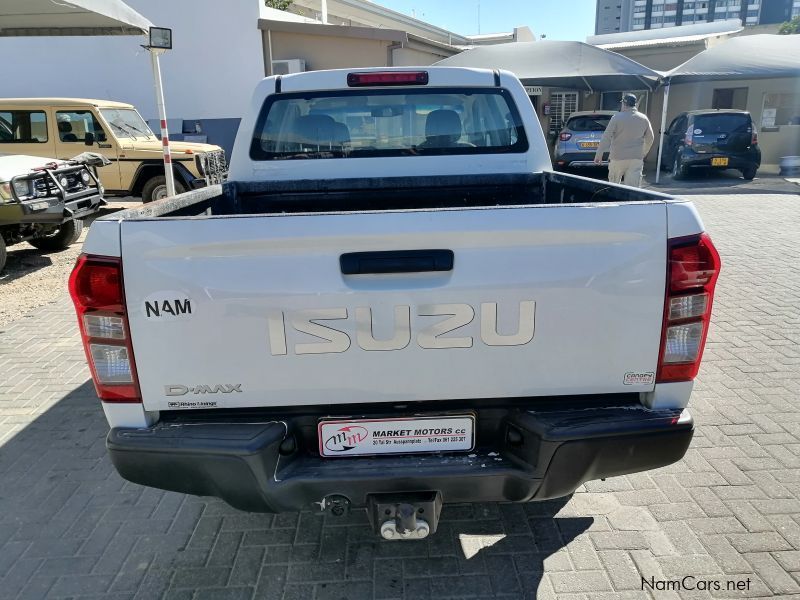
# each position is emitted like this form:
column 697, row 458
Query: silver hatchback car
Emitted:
column 579, row 139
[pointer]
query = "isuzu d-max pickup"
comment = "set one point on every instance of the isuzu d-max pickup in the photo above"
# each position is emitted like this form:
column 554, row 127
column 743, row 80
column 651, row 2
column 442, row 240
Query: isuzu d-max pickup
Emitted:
column 394, row 303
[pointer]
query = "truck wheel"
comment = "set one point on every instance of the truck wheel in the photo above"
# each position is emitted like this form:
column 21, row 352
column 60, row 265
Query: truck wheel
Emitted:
column 2, row 253
column 156, row 189
column 61, row 238
column 678, row 170
column 749, row 173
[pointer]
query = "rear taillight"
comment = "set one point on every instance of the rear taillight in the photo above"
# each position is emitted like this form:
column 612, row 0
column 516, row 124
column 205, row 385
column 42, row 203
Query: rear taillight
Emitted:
column 565, row 136
column 688, row 138
column 379, row 78
column 754, row 138
column 96, row 289
column 693, row 268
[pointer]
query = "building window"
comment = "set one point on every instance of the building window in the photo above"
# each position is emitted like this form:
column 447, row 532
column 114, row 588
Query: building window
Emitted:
column 562, row 105
column 735, row 98
column 780, row 109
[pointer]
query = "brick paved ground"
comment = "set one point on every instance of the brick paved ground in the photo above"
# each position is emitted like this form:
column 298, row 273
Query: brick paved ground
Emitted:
column 730, row 511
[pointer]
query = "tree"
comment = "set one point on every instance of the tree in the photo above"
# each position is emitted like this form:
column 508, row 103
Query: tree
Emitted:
column 790, row 27
column 278, row 4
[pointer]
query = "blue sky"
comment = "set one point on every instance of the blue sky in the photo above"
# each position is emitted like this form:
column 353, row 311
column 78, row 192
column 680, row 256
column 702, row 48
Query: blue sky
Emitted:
column 559, row 19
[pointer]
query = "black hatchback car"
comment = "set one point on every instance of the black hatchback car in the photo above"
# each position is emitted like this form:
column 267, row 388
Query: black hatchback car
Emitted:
column 712, row 139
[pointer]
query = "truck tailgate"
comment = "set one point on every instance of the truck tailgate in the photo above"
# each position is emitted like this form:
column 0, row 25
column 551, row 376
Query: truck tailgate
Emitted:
column 256, row 310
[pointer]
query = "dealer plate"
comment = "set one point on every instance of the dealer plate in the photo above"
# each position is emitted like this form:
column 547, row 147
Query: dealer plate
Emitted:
column 719, row 162
column 359, row 437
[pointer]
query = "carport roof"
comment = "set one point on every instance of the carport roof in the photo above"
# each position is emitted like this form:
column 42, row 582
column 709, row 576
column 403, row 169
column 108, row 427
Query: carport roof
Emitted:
column 572, row 65
column 745, row 57
column 69, row 18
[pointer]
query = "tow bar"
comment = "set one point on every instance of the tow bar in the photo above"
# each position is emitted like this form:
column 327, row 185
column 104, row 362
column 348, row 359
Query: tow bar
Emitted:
column 410, row 516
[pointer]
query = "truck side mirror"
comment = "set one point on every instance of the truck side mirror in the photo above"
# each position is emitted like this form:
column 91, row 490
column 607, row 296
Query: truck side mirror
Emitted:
column 89, row 139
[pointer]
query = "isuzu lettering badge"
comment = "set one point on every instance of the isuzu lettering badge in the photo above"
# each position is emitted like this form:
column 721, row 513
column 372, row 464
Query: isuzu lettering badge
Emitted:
column 431, row 335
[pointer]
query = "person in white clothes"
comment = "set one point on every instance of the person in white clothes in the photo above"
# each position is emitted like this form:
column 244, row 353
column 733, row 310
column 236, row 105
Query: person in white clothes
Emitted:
column 627, row 139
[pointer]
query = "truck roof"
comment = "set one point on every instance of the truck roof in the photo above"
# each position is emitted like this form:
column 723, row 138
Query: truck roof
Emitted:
column 12, row 165
column 64, row 102
column 336, row 79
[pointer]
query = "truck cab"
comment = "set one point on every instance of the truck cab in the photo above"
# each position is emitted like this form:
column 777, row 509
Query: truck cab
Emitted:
column 64, row 127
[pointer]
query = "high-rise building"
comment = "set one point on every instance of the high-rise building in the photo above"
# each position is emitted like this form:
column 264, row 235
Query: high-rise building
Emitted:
column 633, row 15
column 613, row 16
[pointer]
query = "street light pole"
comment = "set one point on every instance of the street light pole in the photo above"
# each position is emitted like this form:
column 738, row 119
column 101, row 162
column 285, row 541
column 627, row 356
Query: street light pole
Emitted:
column 162, row 115
column 160, row 42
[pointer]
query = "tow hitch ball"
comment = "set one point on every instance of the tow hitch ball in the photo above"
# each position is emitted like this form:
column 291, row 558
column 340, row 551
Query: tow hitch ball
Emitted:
column 405, row 516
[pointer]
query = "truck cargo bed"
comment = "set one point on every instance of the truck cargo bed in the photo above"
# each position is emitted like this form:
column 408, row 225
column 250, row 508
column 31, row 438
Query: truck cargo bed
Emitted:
column 390, row 193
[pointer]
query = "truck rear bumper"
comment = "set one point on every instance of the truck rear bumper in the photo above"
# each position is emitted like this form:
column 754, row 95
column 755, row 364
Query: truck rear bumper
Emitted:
column 260, row 467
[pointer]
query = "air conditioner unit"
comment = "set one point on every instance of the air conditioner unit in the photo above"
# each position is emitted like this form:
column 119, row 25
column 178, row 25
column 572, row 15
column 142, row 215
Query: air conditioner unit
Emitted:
column 292, row 65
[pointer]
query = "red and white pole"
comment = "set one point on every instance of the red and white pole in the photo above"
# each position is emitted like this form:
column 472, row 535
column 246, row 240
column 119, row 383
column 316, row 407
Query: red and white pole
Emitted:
column 162, row 114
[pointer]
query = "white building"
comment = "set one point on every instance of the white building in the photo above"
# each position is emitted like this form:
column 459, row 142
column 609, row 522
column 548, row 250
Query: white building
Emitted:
column 220, row 51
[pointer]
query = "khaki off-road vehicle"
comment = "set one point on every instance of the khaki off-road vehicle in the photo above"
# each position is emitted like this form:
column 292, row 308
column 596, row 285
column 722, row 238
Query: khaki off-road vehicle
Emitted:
column 64, row 127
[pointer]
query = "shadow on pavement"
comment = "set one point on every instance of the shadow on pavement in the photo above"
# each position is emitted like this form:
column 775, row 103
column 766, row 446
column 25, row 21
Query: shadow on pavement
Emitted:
column 22, row 261
column 699, row 181
column 69, row 525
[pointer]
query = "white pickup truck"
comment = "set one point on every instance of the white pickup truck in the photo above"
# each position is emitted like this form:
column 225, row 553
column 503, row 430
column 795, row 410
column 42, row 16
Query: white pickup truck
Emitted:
column 395, row 303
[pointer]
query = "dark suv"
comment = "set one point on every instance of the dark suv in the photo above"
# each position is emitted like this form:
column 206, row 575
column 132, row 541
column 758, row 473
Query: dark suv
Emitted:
column 712, row 139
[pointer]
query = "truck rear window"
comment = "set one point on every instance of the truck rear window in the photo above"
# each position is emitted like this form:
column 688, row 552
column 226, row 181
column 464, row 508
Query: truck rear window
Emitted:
column 372, row 123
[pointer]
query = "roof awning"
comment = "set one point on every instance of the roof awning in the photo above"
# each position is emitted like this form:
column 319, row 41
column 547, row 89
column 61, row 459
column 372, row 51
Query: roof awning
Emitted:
column 69, row 18
column 572, row 65
column 745, row 57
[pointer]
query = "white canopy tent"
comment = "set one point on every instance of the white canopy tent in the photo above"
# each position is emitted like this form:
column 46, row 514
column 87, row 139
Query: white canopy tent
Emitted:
column 746, row 57
column 31, row 18
column 71, row 17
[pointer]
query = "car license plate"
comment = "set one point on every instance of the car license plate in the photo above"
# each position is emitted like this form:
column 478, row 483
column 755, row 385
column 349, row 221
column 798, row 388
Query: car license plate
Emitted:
column 588, row 144
column 719, row 162
column 359, row 437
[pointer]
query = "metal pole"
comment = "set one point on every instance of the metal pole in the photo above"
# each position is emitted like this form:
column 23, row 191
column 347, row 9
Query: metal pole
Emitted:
column 162, row 114
column 661, row 131
column 325, row 11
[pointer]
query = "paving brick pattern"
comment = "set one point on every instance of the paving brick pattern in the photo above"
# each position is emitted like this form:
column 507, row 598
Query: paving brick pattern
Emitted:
column 728, row 512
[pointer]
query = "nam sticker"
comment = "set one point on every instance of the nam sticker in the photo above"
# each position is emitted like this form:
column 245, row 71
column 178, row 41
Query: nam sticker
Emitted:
column 167, row 306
